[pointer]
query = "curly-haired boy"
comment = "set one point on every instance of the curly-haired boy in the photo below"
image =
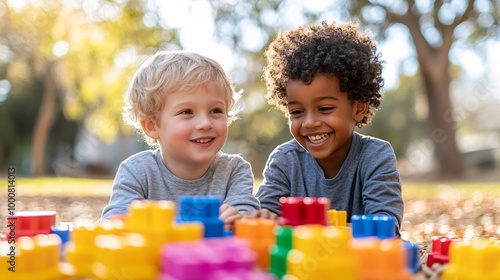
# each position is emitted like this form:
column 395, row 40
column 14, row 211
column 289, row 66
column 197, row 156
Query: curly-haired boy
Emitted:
column 327, row 80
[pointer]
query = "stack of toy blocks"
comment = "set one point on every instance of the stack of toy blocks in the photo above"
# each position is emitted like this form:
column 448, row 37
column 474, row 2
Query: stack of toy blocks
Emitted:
column 35, row 258
column 473, row 259
column 80, row 251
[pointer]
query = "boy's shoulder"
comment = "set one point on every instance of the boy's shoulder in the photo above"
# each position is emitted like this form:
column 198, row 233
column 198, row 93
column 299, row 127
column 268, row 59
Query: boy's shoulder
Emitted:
column 288, row 148
column 223, row 157
column 370, row 145
column 369, row 140
column 142, row 156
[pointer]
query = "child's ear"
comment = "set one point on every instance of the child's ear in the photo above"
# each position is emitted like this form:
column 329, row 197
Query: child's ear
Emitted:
column 360, row 109
column 150, row 128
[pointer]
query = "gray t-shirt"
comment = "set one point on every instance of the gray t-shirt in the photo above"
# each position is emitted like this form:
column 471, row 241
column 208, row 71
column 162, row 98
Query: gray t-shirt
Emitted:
column 145, row 176
column 367, row 183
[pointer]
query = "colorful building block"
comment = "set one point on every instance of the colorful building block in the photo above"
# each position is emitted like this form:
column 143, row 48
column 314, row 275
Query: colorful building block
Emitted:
column 204, row 209
column 31, row 223
column 80, row 251
column 439, row 250
column 337, row 218
column 319, row 251
column 203, row 259
column 63, row 230
column 260, row 234
column 473, row 259
column 241, row 275
column 35, row 257
column 380, row 259
column 375, row 225
column 155, row 220
column 124, row 257
column 412, row 257
column 279, row 252
column 296, row 211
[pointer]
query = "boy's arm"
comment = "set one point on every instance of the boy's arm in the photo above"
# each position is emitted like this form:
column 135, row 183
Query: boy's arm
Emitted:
column 382, row 185
column 239, row 193
column 126, row 188
column 275, row 183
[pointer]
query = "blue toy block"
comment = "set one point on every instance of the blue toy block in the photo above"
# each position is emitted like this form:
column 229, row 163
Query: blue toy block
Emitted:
column 204, row 209
column 375, row 225
column 63, row 230
column 412, row 257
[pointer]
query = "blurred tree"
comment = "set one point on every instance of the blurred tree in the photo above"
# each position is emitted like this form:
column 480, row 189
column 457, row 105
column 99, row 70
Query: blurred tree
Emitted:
column 84, row 53
column 434, row 26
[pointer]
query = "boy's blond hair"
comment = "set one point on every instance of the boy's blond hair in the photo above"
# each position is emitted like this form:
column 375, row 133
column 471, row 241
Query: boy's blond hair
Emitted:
column 168, row 72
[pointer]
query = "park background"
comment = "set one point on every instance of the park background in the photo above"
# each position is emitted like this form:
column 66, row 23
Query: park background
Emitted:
column 64, row 66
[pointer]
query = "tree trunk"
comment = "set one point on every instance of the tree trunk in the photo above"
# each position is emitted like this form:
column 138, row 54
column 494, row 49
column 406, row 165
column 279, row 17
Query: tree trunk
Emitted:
column 43, row 122
column 436, row 80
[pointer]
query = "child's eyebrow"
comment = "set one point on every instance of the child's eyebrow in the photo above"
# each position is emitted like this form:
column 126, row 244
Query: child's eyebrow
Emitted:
column 321, row 98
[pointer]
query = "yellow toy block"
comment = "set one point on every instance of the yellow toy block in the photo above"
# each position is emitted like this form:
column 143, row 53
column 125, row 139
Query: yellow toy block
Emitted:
column 470, row 259
column 35, row 257
column 337, row 218
column 154, row 220
column 149, row 216
column 124, row 257
column 79, row 251
column 319, row 252
column 192, row 231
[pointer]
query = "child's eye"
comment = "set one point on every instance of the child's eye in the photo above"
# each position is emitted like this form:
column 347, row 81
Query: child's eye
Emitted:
column 217, row 111
column 186, row 112
column 295, row 112
column 325, row 109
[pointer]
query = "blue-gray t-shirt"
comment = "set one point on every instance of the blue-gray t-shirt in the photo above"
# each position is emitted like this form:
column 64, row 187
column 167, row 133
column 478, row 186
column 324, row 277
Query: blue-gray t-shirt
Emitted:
column 367, row 183
column 145, row 176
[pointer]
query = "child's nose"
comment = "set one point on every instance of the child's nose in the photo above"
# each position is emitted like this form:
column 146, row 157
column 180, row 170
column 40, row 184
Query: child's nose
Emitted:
column 310, row 121
column 203, row 122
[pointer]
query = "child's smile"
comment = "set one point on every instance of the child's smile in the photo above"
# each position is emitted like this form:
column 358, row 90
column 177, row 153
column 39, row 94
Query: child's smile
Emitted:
column 320, row 138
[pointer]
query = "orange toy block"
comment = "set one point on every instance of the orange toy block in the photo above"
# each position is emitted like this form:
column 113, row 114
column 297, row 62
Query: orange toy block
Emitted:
column 380, row 259
column 260, row 234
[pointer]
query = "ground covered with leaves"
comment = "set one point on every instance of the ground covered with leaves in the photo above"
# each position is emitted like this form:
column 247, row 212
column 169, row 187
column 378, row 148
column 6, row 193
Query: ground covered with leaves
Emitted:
column 447, row 213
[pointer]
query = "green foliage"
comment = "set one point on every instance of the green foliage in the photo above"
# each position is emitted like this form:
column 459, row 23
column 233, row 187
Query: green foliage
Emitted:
column 95, row 47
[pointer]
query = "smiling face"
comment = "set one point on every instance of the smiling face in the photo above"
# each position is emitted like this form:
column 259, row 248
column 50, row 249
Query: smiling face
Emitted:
column 191, row 129
column 322, row 119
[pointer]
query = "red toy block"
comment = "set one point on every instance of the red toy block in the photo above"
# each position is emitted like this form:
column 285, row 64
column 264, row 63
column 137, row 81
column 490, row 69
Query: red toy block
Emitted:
column 440, row 249
column 31, row 223
column 296, row 211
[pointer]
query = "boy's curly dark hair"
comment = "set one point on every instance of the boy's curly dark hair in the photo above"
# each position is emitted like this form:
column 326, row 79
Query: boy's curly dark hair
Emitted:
column 337, row 50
